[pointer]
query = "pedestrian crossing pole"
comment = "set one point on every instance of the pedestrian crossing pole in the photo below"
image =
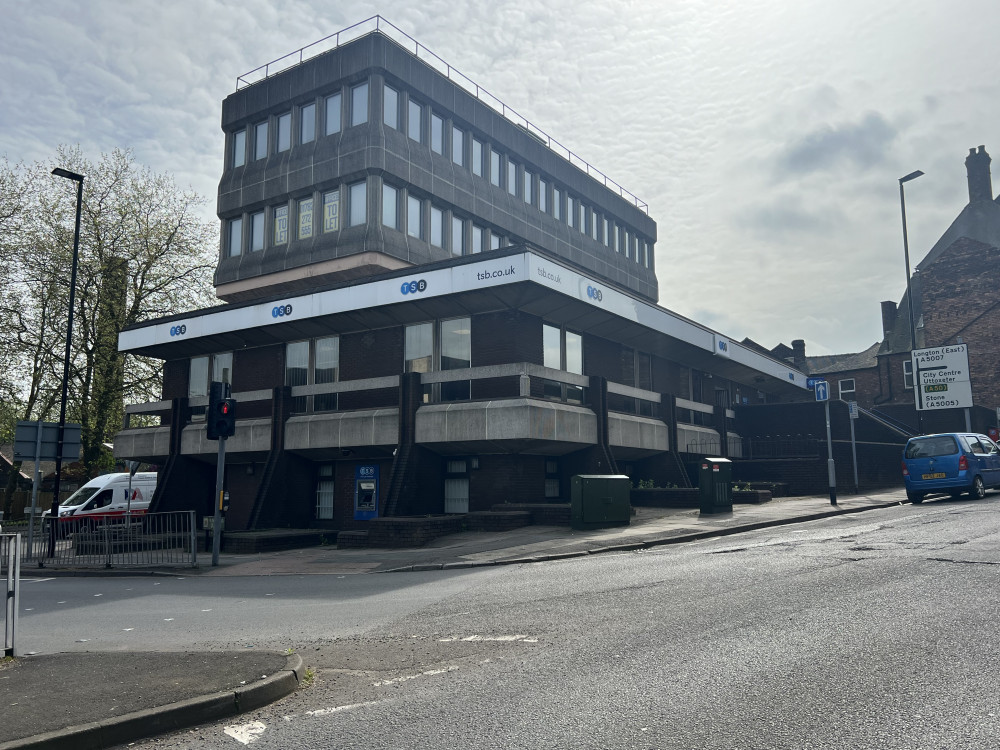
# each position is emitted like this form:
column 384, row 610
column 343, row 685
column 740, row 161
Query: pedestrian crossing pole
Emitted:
column 220, row 472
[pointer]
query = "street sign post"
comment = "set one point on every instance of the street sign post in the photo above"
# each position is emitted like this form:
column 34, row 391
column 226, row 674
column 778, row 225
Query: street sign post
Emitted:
column 852, row 410
column 822, row 390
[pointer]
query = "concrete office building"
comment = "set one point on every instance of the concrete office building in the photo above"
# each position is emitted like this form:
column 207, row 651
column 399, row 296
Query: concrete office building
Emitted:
column 432, row 308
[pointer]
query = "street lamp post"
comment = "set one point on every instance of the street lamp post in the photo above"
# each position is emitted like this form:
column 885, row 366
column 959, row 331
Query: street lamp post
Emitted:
column 78, row 179
column 909, row 291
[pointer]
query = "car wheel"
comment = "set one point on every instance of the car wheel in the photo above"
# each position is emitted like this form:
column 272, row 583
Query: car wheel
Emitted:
column 978, row 490
column 914, row 497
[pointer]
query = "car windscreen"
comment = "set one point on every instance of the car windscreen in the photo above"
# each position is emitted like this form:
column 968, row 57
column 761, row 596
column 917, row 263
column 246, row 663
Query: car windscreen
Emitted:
column 79, row 497
column 939, row 445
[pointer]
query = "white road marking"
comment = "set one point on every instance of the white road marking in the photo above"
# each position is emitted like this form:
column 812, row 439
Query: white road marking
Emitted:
column 488, row 638
column 36, row 580
column 128, row 630
column 428, row 673
column 335, row 709
column 168, row 619
column 246, row 733
column 206, row 610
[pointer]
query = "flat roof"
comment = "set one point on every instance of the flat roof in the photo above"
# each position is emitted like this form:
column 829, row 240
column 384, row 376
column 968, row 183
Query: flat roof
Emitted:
column 522, row 278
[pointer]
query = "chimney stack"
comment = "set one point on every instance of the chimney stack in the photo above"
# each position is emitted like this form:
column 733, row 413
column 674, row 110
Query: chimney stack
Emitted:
column 889, row 311
column 977, row 164
column 799, row 353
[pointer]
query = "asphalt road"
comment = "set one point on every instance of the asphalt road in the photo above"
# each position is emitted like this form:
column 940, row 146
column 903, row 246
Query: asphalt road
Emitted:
column 875, row 630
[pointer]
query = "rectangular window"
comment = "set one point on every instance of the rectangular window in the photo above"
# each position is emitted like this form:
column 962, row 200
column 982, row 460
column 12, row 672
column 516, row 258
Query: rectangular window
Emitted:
column 437, row 134
column 260, row 140
column 239, row 148
column 846, row 388
column 284, row 131
column 324, row 495
column 222, row 367
column 418, row 347
column 456, row 354
column 457, row 236
column 358, row 203
column 511, row 177
column 390, row 107
column 594, row 221
column 570, row 210
column 574, row 353
column 326, row 356
column 477, row 239
column 581, row 223
column 414, row 121
column 496, row 241
column 198, row 377
column 331, row 211
column 359, row 104
column 456, row 495
column 297, row 371
column 614, row 238
column 477, row 158
column 551, row 487
column 414, row 225
column 390, row 207
column 908, row 374
column 307, row 123
column 543, row 197
column 528, row 182
column 496, row 168
column 458, row 146
column 257, row 231
column 333, row 109
column 437, row 227
column 556, row 204
column 551, row 347
column 235, row 237
column 281, row 225
column 305, row 218
column 607, row 239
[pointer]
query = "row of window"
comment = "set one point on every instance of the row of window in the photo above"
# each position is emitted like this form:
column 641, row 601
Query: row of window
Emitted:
column 424, row 126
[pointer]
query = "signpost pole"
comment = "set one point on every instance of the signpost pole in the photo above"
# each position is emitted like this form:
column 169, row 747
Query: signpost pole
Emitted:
column 35, row 481
column 853, row 407
column 830, row 468
column 217, row 519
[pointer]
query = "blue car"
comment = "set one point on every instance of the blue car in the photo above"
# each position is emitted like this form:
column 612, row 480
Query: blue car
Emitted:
column 952, row 462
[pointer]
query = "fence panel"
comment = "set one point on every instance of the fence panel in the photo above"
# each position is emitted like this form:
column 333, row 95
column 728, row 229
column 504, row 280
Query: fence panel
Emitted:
column 137, row 540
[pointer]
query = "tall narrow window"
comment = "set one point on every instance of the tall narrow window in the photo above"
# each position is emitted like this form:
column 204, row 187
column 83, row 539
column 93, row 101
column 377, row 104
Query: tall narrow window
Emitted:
column 260, row 140
column 414, row 121
column 570, row 210
column 556, row 204
column 257, row 231
column 280, row 225
column 496, row 241
column 235, row 237
column 543, row 196
column 607, row 238
column 390, row 207
column 551, row 347
column 358, row 200
column 222, row 367
column 437, row 227
column 305, row 218
column 326, row 364
column 456, row 354
column 511, row 177
column 477, row 239
column 457, row 236
column 437, row 134
column 297, row 371
column 496, row 168
column 528, row 183
column 331, row 211
column 414, row 225
column 458, row 146
column 908, row 374
column 418, row 347
column 284, row 140
column 239, row 148
column 198, row 377
column 390, row 107
column 307, row 123
column 581, row 223
column 325, row 485
column 333, row 109
column 477, row 158
column 359, row 104
column 574, row 353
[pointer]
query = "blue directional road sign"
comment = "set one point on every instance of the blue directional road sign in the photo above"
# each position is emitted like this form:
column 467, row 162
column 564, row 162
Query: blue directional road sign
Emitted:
column 822, row 390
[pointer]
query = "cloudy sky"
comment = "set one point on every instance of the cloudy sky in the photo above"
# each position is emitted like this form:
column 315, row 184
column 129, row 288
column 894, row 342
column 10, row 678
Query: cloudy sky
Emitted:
column 767, row 136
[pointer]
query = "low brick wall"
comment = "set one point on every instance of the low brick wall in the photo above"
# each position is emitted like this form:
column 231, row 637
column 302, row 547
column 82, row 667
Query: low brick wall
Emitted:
column 412, row 531
column 251, row 542
column 675, row 497
column 751, row 497
column 542, row 514
column 352, row 539
column 491, row 520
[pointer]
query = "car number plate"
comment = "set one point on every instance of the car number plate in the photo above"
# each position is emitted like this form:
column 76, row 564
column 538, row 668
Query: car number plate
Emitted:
column 936, row 475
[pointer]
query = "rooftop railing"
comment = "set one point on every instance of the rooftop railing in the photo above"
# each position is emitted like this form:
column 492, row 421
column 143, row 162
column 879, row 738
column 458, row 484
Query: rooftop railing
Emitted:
column 378, row 25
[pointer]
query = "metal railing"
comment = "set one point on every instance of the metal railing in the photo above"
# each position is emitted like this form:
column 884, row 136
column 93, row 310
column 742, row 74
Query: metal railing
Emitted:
column 10, row 570
column 378, row 25
column 138, row 540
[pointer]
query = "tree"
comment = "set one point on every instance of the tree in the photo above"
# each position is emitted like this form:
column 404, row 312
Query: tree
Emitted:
column 145, row 251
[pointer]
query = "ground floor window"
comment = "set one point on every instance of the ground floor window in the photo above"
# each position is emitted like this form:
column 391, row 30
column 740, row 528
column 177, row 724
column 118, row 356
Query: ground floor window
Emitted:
column 324, row 493
column 456, row 486
column 551, row 479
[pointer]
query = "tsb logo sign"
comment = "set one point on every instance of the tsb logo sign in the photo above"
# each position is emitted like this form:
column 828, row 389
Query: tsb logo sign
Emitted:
column 178, row 330
column 281, row 311
column 595, row 294
column 413, row 287
column 724, row 347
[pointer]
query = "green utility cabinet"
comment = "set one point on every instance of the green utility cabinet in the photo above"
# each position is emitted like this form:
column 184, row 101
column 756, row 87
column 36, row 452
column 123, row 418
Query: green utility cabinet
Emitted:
column 715, row 483
column 599, row 500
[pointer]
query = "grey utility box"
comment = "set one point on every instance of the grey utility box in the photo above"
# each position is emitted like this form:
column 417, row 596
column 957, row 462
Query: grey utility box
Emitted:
column 599, row 500
column 715, row 483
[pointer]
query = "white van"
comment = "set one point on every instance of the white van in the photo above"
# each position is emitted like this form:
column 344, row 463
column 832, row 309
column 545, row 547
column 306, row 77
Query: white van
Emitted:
column 107, row 497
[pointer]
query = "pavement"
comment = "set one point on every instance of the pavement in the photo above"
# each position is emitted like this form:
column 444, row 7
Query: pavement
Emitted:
column 96, row 700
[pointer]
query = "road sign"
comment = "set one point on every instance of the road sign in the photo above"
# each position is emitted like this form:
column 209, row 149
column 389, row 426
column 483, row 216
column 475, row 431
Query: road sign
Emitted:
column 26, row 441
column 852, row 408
column 822, row 390
column 941, row 377
column 811, row 383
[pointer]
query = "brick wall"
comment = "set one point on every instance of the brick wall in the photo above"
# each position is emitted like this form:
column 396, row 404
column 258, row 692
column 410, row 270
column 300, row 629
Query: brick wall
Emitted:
column 506, row 479
column 175, row 378
column 371, row 354
column 505, row 337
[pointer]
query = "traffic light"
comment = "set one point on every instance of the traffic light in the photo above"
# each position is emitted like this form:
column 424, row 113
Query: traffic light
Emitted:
column 220, row 421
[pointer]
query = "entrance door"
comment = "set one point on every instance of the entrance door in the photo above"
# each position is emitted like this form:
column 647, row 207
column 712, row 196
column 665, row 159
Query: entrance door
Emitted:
column 456, row 495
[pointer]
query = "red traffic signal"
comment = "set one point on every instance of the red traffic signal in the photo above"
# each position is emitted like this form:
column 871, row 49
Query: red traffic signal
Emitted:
column 220, row 420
